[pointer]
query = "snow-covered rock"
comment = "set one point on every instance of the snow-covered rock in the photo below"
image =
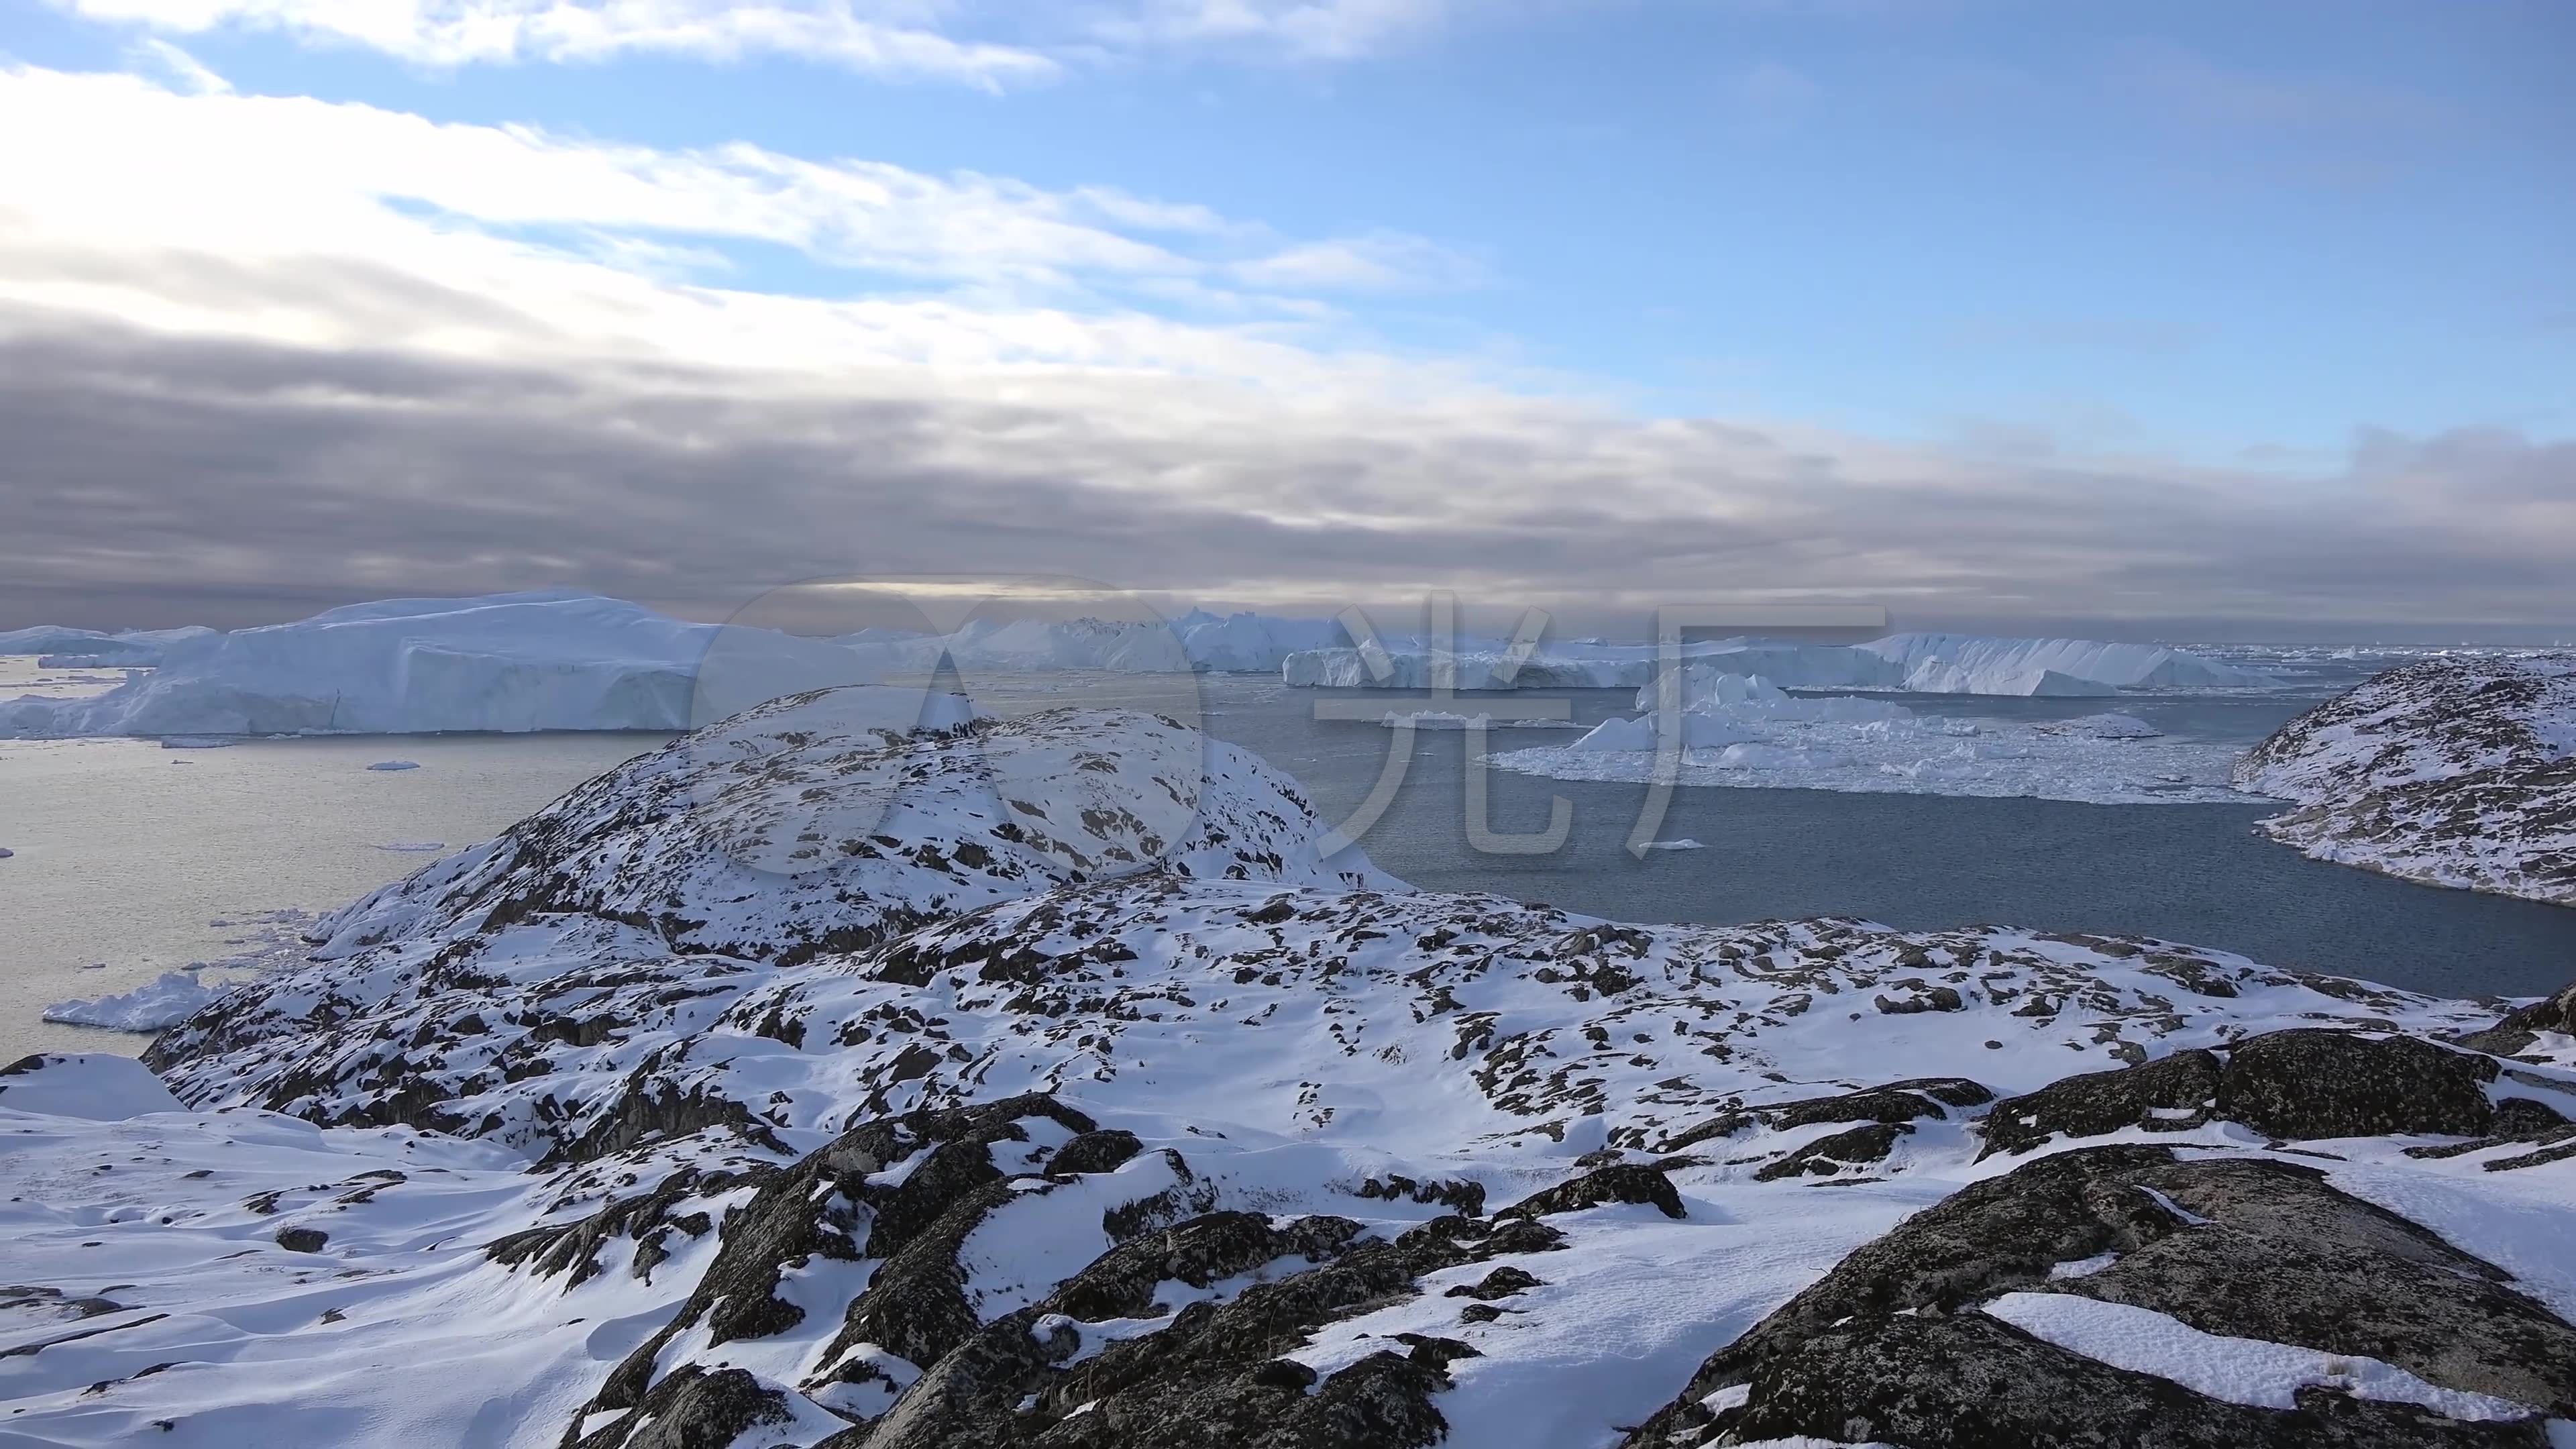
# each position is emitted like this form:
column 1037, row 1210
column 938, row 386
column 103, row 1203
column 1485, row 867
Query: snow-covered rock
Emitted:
column 507, row 662
column 641, row 1125
column 2456, row 771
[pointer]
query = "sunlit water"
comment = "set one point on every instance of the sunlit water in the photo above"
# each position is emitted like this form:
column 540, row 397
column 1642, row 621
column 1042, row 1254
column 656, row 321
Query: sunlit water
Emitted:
column 127, row 853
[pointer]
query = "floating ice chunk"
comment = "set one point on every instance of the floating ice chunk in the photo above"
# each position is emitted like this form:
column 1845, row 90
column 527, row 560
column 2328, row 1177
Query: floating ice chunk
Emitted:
column 1439, row 719
column 2104, row 727
column 414, row 847
column 1699, row 731
column 6, row 852
column 162, row 1003
column 1685, row 843
column 392, row 765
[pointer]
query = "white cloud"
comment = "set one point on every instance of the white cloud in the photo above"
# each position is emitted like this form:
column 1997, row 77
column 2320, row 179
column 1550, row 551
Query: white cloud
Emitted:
column 256, row 339
column 889, row 38
column 138, row 172
column 184, row 70
column 988, row 43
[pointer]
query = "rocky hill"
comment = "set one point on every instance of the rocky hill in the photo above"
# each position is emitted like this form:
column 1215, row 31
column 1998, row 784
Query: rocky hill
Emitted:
column 819, row 1081
column 2457, row 771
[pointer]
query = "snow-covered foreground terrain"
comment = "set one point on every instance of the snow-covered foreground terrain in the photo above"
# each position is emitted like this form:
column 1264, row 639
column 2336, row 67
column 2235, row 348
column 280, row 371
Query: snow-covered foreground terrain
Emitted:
column 1037, row 1083
column 1746, row 732
column 2456, row 771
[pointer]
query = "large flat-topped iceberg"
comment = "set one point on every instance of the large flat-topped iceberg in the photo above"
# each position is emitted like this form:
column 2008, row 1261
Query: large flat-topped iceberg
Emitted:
column 1980, row 664
column 504, row 662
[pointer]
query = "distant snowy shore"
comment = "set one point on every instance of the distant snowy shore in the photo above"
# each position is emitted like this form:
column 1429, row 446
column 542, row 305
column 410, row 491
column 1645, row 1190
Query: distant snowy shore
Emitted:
column 824, row 1080
column 2456, row 771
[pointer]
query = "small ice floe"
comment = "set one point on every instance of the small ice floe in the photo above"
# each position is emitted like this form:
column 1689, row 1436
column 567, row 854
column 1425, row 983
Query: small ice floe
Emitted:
column 1441, row 719
column 1685, row 843
column 197, row 742
column 388, row 765
column 413, row 847
column 2103, row 727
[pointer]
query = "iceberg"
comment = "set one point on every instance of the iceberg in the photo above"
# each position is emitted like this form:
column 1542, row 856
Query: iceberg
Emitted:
column 59, row 647
column 1981, row 664
column 504, row 662
column 1914, row 663
column 165, row 1002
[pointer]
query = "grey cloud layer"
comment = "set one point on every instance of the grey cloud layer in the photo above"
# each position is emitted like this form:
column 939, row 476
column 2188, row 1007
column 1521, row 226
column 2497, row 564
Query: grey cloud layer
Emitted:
column 150, row 478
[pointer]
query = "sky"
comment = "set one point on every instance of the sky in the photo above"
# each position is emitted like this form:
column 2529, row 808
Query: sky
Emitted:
column 2187, row 318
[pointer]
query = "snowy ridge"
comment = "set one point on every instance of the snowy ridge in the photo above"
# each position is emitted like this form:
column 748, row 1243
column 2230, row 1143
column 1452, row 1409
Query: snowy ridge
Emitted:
column 636, row 1127
column 2457, row 771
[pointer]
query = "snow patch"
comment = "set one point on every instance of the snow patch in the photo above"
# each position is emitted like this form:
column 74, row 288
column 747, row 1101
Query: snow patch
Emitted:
column 2248, row 1371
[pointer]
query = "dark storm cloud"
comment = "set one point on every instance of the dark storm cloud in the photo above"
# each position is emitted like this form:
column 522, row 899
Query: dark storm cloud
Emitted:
column 150, row 480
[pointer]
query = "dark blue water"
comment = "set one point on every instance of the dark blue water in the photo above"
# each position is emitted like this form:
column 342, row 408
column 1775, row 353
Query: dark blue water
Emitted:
column 2191, row 873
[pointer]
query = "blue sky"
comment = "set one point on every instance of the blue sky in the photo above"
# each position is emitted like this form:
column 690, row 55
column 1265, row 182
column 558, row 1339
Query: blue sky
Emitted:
column 2242, row 237
column 2191, row 227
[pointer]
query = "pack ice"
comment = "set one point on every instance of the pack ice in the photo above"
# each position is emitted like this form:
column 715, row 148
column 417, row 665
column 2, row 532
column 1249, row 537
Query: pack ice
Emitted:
column 824, row 1079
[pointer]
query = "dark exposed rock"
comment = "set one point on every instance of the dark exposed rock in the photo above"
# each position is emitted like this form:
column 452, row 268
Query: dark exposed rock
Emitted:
column 2290, row 1085
column 1973, row 1382
column 1903, row 1101
column 302, row 1240
column 1627, row 1182
column 2521, row 1027
column 813, row 1210
column 2182, row 1086
column 1503, row 1282
column 571, row 1248
column 693, row 1409
column 1829, row 1155
column 2320, row 1083
column 2242, row 1247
